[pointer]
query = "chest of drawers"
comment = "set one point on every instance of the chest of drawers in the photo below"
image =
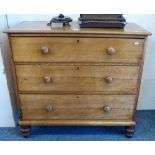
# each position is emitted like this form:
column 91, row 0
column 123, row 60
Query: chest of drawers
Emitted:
column 73, row 76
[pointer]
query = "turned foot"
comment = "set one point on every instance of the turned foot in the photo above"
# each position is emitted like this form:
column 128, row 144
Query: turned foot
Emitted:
column 129, row 131
column 25, row 131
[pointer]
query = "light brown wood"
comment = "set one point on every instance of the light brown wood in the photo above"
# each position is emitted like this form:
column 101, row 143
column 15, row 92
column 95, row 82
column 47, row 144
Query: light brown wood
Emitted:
column 29, row 49
column 15, row 83
column 140, row 76
column 77, row 122
column 79, row 92
column 73, row 76
column 78, row 63
column 41, row 27
column 82, row 35
column 77, row 107
column 77, row 78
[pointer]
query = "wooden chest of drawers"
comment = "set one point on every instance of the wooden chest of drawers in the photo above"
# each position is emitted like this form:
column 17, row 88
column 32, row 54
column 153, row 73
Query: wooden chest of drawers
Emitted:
column 73, row 76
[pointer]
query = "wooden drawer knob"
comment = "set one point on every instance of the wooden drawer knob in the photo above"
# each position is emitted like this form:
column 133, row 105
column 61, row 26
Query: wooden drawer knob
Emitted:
column 107, row 108
column 47, row 79
column 111, row 51
column 108, row 79
column 49, row 108
column 44, row 50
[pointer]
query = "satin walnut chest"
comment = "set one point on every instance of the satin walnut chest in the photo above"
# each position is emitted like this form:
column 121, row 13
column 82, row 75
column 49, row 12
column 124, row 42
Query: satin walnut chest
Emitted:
column 72, row 76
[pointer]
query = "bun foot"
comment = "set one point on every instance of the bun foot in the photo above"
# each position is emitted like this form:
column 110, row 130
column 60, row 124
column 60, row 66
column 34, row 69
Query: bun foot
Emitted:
column 129, row 131
column 25, row 131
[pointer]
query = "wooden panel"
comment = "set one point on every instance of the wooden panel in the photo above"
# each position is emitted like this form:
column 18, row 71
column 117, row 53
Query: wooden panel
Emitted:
column 77, row 78
column 77, row 106
column 39, row 27
column 28, row 49
column 78, row 122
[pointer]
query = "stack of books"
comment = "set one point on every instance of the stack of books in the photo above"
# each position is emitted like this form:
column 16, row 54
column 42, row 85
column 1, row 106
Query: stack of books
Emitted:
column 102, row 21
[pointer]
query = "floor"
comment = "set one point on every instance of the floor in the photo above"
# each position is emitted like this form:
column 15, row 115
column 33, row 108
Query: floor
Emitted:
column 145, row 131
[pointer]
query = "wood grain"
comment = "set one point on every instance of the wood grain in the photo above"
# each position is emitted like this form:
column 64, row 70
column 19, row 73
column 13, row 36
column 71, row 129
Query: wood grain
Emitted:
column 66, row 85
column 77, row 78
column 15, row 83
column 77, row 106
column 77, row 122
column 78, row 35
column 28, row 49
column 38, row 27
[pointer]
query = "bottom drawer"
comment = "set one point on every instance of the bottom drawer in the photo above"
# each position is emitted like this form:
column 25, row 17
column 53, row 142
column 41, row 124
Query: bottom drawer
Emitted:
column 107, row 107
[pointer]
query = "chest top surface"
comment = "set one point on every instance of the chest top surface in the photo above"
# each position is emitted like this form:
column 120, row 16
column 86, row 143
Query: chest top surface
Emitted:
column 41, row 27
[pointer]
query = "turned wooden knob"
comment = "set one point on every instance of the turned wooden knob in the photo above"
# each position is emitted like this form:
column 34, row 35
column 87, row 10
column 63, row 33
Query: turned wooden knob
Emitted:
column 111, row 51
column 106, row 108
column 108, row 79
column 44, row 50
column 47, row 79
column 49, row 108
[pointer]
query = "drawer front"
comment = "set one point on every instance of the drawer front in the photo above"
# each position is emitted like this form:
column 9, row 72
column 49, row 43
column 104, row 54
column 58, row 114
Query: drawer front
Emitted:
column 77, row 78
column 48, row 49
column 92, row 107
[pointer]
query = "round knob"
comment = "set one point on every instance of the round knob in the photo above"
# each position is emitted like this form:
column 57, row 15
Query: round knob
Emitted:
column 48, row 108
column 111, row 51
column 47, row 79
column 44, row 50
column 107, row 108
column 108, row 79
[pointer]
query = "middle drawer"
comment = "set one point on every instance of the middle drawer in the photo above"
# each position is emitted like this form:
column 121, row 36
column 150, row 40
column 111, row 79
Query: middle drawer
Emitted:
column 65, row 78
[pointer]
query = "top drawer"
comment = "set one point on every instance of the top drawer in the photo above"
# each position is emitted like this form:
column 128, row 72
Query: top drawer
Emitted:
column 55, row 49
